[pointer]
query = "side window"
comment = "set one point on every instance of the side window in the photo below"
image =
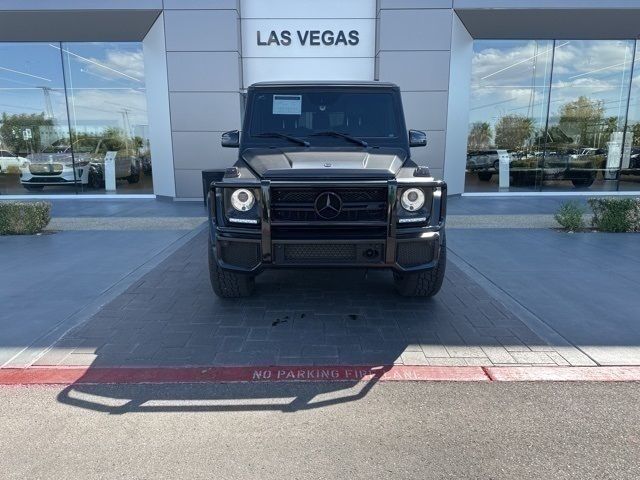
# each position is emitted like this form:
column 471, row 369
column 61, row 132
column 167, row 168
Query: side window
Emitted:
column 82, row 146
column 101, row 148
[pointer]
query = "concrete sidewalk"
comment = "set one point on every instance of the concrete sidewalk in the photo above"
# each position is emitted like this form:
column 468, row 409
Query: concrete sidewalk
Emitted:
column 50, row 283
column 127, row 214
column 133, row 208
column 509, row 205
column 583, row 286
column 148, row 214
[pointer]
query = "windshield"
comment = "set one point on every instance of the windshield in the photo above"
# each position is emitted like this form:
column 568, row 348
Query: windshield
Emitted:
column 56, row 149
column 304, row 114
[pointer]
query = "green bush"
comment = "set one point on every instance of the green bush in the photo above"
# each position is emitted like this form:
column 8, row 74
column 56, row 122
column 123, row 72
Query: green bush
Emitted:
column 12, row 170
column 570, row 216
column 24, row 218
column 616, row 214
column 634, row 217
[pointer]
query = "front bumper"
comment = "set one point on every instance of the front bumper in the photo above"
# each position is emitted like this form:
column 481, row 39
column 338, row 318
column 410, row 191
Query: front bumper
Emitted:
column 474, row 167
column 66, row 176
column 396, row 247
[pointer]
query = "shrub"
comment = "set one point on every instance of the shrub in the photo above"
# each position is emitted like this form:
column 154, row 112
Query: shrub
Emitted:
column 570, row 216
column 634, row 216
column 12, row 170
column 24, row 218
column 616, row 214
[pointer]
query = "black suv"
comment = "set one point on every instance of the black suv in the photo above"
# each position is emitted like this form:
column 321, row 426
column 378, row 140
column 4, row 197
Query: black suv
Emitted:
column 324, row 178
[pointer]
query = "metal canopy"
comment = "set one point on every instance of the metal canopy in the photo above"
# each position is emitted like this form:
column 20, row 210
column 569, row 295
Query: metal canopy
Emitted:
column 551, row 23
column 76, row 25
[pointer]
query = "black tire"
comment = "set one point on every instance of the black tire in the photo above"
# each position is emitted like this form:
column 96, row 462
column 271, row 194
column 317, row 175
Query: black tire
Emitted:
column 34, row 188
column 496, row 165
column 582, row 182
column 523, row 179
column 425, row 283
column 485, row 176
column 227, row 284
column 94, row 181
column 134, row 177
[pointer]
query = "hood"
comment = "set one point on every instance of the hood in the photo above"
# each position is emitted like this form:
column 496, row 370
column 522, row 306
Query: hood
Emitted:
column 325, row 163
column 64, row 158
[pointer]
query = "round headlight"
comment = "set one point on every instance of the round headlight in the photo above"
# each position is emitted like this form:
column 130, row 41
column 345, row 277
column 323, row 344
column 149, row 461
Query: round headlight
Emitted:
column 412, row 199
column 242, row 199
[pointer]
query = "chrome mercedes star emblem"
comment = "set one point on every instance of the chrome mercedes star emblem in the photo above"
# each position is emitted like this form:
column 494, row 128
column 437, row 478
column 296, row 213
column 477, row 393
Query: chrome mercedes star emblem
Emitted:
column 328, row 205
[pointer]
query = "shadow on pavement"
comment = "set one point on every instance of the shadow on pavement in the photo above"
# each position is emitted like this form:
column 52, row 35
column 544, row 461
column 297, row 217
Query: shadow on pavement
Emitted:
column 286, row 397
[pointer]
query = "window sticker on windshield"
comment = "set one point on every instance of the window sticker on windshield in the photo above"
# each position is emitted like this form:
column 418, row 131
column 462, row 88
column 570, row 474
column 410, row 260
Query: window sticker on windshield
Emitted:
column 287, row 104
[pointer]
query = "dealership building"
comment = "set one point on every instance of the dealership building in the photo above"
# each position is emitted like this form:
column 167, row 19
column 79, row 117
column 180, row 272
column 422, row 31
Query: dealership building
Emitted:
column 516, row 96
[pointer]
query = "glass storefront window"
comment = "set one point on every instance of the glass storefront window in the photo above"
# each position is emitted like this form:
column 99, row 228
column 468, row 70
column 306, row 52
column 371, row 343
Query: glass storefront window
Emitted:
column 108, row 113
column 587, row 117
column 73, row 119
column 554, row 112
column 510, row 88
column 630, row 163
column 33, row 115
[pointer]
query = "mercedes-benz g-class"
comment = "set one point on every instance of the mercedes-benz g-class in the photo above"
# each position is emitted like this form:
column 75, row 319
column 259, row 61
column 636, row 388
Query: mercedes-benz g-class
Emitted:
column 324, row 178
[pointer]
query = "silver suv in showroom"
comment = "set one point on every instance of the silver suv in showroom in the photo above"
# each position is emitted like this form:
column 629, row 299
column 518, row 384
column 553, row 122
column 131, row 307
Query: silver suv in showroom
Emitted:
column 80, row 164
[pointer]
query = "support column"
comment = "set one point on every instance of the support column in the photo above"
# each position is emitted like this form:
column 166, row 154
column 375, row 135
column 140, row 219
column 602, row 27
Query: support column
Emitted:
column 413, row 50
column 204, row 80
column 155, row 72
column 455, row 160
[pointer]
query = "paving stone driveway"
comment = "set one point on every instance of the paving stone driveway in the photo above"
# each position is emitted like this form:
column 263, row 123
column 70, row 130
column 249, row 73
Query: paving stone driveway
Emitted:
column 171, row 317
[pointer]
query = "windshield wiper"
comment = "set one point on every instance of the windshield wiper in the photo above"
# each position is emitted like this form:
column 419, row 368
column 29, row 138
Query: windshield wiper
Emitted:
column 291, row 138
column 332, row 133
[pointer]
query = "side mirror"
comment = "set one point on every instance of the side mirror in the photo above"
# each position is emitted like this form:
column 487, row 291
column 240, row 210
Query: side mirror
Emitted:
column 417, row 138
column 230, row 139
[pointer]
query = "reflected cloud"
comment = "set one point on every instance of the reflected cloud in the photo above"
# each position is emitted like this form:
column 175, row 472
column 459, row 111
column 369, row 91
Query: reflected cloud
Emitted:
column 507, row 64
column 119, row 62
column 512, row 76
column 94, row 106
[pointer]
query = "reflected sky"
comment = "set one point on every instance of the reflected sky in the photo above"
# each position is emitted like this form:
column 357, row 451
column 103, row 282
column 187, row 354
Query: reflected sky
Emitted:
column 105, row 84
column 513, row 77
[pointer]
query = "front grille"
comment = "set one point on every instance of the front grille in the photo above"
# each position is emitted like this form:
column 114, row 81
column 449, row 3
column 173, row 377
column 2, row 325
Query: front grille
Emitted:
column 46, row 168
column 311, row 253
column 47, row 179
column 334, row 253
column 298, row 204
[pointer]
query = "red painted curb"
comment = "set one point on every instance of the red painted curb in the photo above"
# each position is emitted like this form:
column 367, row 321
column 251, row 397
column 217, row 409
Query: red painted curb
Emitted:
column 564, row 374
column 63, row 375
column 67, row 375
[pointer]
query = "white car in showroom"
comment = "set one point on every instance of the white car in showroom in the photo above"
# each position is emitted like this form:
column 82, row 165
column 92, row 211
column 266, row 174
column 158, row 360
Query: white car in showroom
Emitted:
column 56, row 165
column 10, row 162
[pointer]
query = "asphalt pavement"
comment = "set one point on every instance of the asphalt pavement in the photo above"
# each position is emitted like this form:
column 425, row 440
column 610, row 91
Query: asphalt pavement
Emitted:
column 322, row 430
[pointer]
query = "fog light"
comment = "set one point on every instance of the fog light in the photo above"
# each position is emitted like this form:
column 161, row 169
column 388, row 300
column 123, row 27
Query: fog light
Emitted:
column 250, row 221
column 412, row 220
